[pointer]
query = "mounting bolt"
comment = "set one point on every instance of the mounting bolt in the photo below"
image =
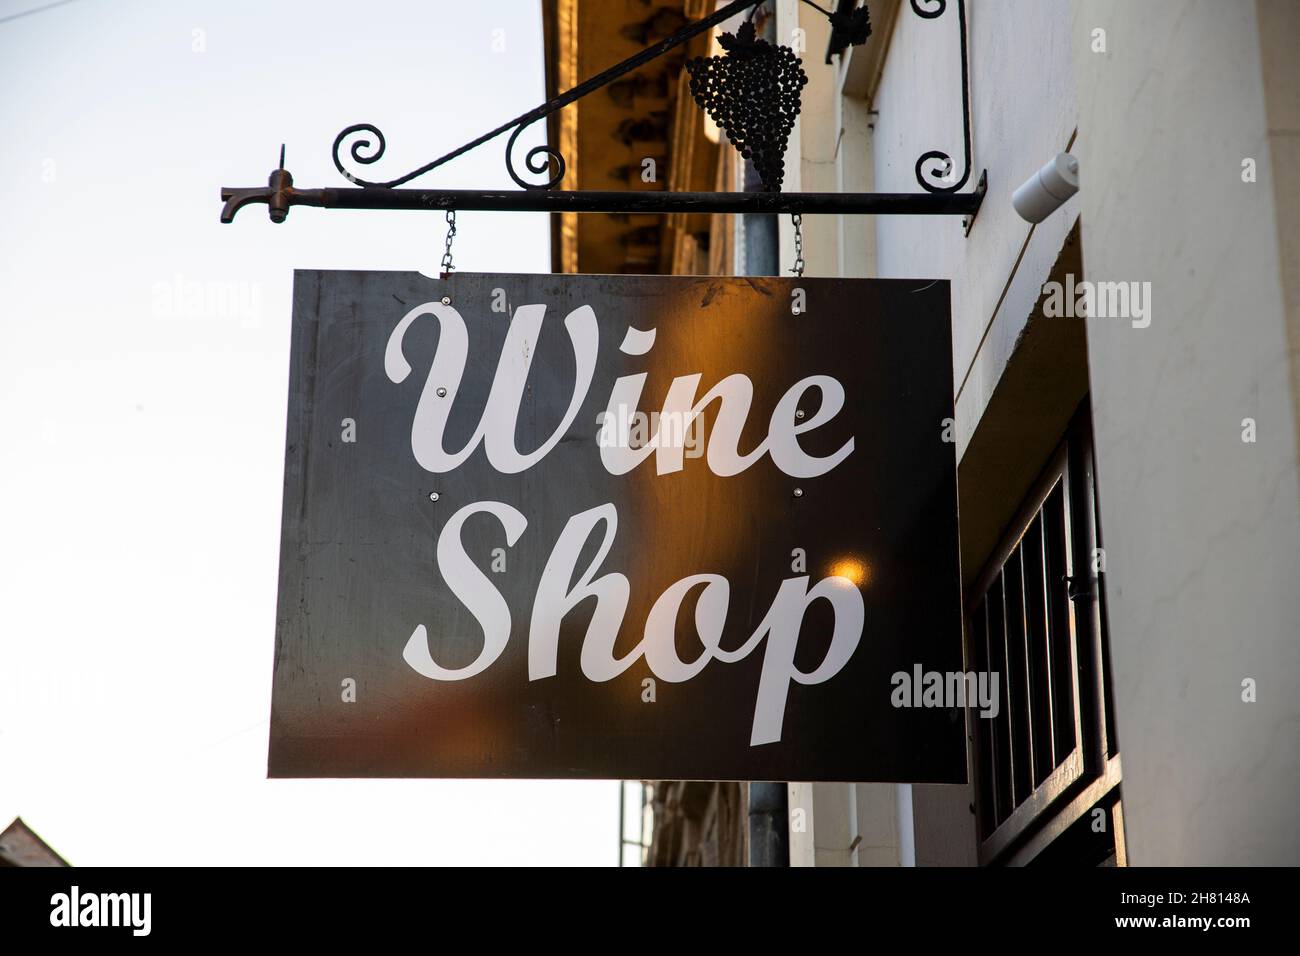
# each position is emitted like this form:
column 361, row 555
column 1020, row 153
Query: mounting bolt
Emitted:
column 442, row 392
column 433, row 496
column 446, row 300
column 799, row 414
column 281, row 184
column 798, row 492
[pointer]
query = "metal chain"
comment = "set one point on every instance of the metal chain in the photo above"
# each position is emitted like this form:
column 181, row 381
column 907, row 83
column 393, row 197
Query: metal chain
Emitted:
column 447, row 267
column 798, row 244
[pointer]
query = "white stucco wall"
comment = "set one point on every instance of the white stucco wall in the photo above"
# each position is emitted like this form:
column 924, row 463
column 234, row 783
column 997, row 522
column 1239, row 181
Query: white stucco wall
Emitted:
column 1202, row 530
column 1024, row 111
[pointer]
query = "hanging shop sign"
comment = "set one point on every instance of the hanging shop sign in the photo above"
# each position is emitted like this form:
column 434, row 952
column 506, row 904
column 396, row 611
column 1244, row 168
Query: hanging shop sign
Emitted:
column 630, row 527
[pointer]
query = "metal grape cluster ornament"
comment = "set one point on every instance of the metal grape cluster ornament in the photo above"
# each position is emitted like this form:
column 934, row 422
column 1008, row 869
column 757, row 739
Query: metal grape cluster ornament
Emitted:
column 753, row 94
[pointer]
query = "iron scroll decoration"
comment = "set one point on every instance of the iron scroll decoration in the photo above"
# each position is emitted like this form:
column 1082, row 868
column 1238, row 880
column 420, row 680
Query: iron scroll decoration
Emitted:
column 365, row 153
column 930, row 10
column 753, row 92
column 757, row 83
column 534, row 162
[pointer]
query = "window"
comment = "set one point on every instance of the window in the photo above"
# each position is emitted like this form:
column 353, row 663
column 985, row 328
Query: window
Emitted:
column 1046, row 767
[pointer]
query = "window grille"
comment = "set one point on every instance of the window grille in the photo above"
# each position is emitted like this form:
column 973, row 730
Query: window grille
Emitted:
column 1046, row 768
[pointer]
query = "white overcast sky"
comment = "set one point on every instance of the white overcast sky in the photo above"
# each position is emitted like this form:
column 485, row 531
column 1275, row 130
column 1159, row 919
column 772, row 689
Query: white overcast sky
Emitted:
column 141, row 451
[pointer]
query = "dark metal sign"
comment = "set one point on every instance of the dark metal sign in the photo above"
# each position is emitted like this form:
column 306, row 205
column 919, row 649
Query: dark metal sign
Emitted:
column 617, row 526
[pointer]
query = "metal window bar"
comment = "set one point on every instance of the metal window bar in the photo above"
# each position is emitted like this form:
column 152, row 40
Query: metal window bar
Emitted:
column 638, row 837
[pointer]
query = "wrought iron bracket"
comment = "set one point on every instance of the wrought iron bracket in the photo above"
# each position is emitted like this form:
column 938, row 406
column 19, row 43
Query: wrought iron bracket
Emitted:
column 281, row 194
column 942, row 195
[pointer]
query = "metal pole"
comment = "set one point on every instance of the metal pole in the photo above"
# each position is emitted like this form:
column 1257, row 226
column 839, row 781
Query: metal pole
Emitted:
column 281, row 196
column 769, row 818
column 769, row 830
column 622, row 810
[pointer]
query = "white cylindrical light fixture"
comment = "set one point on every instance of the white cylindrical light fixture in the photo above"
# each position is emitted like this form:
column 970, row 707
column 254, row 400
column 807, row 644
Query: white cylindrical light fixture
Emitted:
column 1047, row 190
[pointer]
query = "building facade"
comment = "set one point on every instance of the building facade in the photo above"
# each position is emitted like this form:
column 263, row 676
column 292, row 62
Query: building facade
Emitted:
column 1126, row 377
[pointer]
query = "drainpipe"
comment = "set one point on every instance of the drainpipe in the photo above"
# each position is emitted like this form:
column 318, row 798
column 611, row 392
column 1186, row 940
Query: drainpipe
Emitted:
column 769, row 816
